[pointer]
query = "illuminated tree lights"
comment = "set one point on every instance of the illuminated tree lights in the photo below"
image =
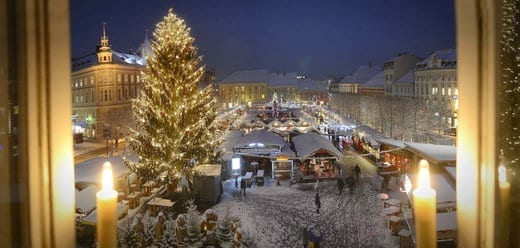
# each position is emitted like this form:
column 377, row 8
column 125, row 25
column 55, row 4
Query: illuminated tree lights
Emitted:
column 174, row 117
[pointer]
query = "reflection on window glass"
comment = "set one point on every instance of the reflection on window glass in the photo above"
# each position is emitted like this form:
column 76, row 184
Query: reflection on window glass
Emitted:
column 509, row 107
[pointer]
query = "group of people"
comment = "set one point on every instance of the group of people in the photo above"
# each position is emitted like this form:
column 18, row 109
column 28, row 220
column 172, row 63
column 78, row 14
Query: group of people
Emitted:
column 352, row 178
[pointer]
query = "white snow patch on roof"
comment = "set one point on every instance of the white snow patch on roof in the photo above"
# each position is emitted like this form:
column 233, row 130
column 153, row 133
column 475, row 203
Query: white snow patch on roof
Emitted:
column 442, row 54
column 86, row 199
column 392, row 142
column 439, row 153
column 377, row 80
column 260, row 136
column 90, row 170
column 309, row 143
column 407, row 78
column 256, row 76
column 211, row 170
column 362, row 74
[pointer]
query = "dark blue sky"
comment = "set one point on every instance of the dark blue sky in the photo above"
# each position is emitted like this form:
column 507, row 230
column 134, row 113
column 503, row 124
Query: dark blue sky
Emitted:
column 316, row 38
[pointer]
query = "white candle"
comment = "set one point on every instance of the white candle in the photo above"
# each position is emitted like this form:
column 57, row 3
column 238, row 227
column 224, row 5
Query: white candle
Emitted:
column 504, row 186
column 106, row 202
column 424, row 199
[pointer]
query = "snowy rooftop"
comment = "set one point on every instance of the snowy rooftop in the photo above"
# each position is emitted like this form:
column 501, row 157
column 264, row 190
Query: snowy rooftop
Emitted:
column 364, row 130
column 248, row 76
column 260, row 136
column 117, row 58
column 309, row 143
column 126, row 58
column 273, row 79
column 437, row 153
column 362, row 74
column 392, row 142
column 229, row 138
column 407, row 78
column 443, row 188
column 377, row 80
column 446, row 57
column 309, row 84
column 90, row 170
column 212, row 170
column 282, row 79
column 86, row 198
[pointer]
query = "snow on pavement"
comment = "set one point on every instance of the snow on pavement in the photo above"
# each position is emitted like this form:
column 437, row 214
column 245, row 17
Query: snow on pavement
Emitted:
column 273, row 216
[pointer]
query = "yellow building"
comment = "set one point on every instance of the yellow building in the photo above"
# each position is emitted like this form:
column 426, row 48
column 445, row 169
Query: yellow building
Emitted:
column 260, row 86
column 103, row 84
column 436, row 83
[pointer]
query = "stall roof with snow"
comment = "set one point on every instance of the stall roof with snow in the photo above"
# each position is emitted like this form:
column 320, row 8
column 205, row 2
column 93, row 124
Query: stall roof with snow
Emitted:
column 229, row 139
column 86, row 198
column 446, row 194
column 90, row 170
column 391, row 142
column 259, row 141
column 210, row 170
column 308, row 144
column 438, row 154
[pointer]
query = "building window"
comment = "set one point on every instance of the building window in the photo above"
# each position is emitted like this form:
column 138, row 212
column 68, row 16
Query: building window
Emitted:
column 119, row 78
column 106, row 95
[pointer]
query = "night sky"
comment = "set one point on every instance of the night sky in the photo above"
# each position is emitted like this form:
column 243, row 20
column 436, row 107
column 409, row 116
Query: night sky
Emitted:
column 315, row 38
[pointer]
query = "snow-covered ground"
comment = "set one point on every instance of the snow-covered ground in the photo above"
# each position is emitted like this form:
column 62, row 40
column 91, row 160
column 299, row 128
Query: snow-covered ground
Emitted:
column 274, row 216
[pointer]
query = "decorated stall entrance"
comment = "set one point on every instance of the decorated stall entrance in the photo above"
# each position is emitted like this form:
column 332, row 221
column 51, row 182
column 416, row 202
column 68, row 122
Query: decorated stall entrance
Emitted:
column 282, row 167
column 316, row 155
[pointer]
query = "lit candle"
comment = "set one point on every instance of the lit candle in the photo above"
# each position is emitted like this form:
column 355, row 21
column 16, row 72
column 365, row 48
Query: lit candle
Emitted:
column 503, row 186
column 424, row 199
column 106, row 202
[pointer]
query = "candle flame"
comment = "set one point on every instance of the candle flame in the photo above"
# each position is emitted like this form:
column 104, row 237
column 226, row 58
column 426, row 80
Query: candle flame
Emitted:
column 424, row 174
column 106, row 177
column 502, row 174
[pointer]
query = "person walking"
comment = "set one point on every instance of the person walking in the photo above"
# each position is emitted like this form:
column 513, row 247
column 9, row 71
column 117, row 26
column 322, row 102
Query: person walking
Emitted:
column 341, row 185
column 357, row 170
column 317, row 202
column 243, row 186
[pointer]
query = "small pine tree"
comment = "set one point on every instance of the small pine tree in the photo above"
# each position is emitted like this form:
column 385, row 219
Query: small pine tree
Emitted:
column 224, row 235
column 169, row 236
column 126, row 235
column 193, row 223
column 174, row 118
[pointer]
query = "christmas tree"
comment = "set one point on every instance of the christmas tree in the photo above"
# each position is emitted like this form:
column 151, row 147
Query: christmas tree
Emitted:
column 174, row 117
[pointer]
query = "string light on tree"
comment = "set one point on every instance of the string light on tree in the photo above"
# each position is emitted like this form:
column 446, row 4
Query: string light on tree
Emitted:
column 176, row 117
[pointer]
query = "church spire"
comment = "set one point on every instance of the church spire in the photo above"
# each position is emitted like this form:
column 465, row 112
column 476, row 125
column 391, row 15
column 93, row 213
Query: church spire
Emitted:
column 104, row 53
column 104, row 38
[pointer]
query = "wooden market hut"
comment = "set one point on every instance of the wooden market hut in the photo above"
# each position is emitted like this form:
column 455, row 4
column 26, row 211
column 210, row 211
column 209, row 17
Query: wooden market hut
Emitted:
column 258, row 146
column 207, row 183
column 316, row 155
